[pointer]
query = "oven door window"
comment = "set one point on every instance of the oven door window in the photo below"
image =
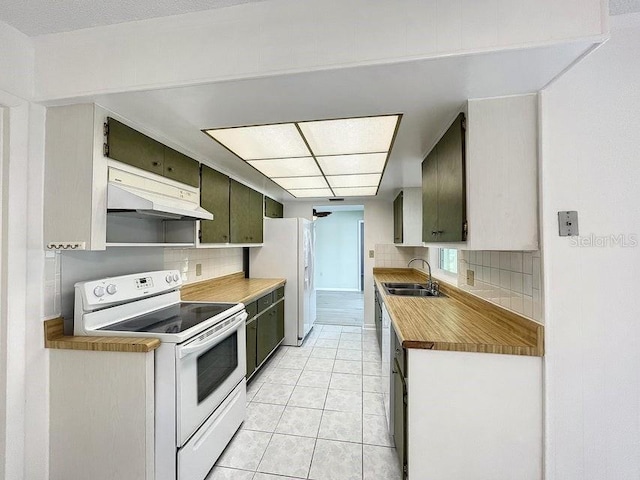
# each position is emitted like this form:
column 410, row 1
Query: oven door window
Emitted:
column 215, row 365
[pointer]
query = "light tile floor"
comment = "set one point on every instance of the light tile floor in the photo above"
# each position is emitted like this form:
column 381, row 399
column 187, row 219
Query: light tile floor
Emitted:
column 315, row 412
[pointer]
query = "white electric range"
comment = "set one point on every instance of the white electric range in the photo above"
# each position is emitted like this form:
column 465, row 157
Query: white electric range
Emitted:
column 200, row 366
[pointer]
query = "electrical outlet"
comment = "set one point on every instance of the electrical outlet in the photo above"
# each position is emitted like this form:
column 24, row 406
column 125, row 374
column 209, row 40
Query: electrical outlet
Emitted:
column 568, row 223
column 370, row 253
column 471, row 277
column 198, row 269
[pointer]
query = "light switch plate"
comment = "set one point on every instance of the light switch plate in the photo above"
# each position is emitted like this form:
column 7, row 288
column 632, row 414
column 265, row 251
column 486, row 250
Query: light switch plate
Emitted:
column 370, row 253
column 568, row 223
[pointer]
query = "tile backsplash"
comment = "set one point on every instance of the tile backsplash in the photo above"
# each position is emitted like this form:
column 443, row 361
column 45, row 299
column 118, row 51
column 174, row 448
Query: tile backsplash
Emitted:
column 391, row 256
column 509, row 279
column 214, row 262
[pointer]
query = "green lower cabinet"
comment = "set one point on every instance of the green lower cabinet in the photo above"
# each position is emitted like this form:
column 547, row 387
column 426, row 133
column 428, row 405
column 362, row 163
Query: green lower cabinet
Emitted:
column 399, row 414
column 252, row 331
column 280, row 320
column 267, row 337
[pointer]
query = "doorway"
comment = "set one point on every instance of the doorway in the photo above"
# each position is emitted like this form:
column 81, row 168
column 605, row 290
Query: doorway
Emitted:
column 339, row 265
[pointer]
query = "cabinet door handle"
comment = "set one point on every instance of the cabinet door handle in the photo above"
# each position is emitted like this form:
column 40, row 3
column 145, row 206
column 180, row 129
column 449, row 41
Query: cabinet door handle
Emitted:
column 170, row 169
column 155, row 164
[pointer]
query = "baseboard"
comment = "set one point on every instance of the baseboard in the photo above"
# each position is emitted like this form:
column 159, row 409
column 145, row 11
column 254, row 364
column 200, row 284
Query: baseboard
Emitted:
column 339, row 290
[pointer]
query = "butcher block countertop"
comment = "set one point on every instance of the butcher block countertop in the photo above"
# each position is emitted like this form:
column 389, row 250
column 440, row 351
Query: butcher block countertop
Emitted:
column 230, row 288
column 55, row 338
column 457, row 322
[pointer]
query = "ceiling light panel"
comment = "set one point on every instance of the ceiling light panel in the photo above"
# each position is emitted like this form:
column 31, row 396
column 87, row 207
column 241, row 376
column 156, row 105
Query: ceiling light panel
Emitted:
column 355, row 191
column 287, row 167
column 352, row 164
column 311, row 192
column 350, row 135
column 369, row 180
column 263, row 141
column 289, row 183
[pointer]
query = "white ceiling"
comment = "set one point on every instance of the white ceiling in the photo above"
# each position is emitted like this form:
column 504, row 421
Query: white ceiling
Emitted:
column 39, row 17
column 429, row 94
column 620, row 7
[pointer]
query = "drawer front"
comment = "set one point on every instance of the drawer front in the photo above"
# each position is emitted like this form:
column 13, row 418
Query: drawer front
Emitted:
column 265, row 301
column 252, row 309
column 279, row 293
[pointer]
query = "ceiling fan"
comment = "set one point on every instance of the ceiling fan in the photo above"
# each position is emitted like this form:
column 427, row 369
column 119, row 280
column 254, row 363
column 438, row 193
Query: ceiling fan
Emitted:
column 320, row 214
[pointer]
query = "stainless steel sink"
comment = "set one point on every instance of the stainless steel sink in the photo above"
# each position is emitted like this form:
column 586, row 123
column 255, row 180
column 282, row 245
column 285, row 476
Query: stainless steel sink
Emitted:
column 413, row 286
column 410, row 290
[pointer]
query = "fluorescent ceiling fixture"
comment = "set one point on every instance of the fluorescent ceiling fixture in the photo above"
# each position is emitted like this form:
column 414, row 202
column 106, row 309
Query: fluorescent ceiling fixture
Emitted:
column 289, row 183
column 311, row 192
column 263, row 141
column 301, row 157
column 350, row 135
column 355, row 191
column 369, row 180
column 351, row 164
column 287, row 167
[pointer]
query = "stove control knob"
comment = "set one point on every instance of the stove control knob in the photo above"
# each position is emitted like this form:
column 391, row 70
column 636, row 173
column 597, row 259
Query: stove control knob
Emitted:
column 111, row 289
column 98, row 291
column 176, row 277
column 169, row 278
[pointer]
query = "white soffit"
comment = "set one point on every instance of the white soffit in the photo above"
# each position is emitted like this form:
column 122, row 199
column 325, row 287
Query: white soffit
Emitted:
column 348, row 153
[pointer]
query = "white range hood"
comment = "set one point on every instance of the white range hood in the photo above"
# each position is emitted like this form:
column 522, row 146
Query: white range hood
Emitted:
column 152, row 195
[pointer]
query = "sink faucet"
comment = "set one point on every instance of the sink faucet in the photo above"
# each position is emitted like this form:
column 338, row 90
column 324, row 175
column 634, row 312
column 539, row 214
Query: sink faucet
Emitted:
column 432, row 285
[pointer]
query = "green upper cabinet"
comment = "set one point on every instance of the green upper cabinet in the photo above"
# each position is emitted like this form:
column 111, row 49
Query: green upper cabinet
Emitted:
column 272, row 209
column 214, row 197
column 398, row 219
column 239, row 212
column 256, row 225
column 430, row 196
column 134, row 148
column 443, row 188
column 181, row 168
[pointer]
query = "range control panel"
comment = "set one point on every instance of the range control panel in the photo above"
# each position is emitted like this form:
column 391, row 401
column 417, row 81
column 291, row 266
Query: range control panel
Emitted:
column 107, row 291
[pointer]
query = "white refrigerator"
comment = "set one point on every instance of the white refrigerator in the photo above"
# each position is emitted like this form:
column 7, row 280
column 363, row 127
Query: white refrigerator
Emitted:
column 288, row 252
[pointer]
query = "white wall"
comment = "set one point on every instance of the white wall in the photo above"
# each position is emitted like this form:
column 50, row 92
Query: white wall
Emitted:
column 17, row 58
column 23, row 359
column 337, row 251
column 279, row 36
column 378, row 228
column 591, row 163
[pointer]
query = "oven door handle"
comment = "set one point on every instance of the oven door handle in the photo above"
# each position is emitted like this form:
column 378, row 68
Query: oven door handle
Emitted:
column 195, row 347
